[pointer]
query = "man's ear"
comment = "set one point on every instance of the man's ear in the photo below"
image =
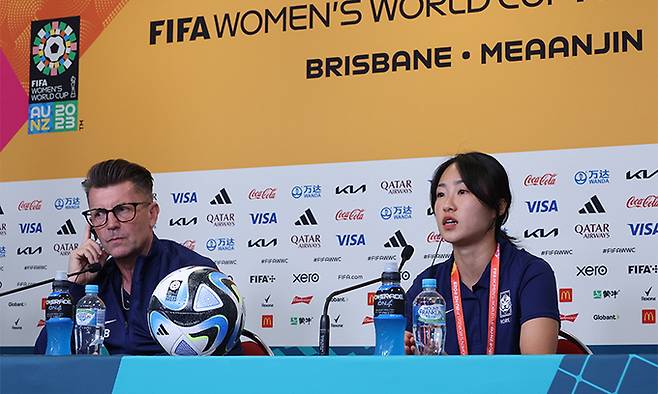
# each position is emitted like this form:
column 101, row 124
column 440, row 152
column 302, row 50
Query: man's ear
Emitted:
column 154, row 211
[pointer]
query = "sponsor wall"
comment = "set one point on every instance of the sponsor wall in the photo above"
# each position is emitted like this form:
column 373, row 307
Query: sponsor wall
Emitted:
column 290, row 235
column 293, row 143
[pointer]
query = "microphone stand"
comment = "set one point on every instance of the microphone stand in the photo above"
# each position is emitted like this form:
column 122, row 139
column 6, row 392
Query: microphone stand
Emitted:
column 325, row 327
column 90, row 268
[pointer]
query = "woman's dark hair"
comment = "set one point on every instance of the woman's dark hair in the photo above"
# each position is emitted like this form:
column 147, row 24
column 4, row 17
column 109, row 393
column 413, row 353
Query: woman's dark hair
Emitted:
column 486, row 178
column 115, row 171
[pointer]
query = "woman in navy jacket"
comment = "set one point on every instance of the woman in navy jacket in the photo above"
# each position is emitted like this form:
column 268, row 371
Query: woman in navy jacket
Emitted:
column 499, row 299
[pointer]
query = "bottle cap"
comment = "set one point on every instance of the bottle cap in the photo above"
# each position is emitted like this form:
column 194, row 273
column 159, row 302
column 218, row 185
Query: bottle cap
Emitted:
column 92, row 289
column 61, row 275
column 391, row 272
column 429, row 283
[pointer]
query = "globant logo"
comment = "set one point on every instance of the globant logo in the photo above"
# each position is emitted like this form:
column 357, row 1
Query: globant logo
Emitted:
column 396, row 212
column 401, row 186
column 220, row 244
column 67, row 203
column 266, row 194
column 592, row 177
column 593, row 230
column 598, row 317
column 547, row 179
column 650, row 201
column 306, row 191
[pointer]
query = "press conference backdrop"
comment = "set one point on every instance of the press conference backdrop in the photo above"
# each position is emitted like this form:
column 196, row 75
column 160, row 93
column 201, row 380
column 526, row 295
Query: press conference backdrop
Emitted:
column 290, row 235
column 293, row 143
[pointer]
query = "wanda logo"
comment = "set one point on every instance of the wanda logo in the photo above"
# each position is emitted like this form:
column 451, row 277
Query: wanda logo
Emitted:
column 34, row 205
column 650, row 201
column 267, row 194
column 434, row 237
column 355, row 214
column 547, row 179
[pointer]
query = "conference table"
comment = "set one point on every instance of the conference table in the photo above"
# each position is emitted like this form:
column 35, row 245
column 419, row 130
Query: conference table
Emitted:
column 333, row 374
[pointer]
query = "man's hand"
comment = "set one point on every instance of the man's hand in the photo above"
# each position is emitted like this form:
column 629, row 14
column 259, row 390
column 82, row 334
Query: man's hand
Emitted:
column 409, row 343
column 88, row 252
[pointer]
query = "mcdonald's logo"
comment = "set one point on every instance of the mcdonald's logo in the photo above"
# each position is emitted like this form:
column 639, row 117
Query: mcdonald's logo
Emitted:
column 648, row 316
column 371, row 298
column 566, row 295
column 267, row 321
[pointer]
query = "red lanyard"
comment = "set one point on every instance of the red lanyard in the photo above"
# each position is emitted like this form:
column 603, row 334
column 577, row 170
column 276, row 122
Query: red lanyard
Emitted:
column 493, row 305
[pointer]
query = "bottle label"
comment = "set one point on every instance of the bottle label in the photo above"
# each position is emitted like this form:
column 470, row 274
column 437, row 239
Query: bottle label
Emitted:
column 430, row 314
column 59, row 305
column 89, row 317
column 389, row 301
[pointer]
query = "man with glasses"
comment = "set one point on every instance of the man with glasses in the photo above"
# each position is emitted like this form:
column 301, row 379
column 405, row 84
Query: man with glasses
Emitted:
column 121, row 216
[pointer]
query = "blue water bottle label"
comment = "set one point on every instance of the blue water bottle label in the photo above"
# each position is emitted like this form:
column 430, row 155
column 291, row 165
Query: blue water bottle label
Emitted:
column 389, row 300
column 89, row 317
column 430, row 314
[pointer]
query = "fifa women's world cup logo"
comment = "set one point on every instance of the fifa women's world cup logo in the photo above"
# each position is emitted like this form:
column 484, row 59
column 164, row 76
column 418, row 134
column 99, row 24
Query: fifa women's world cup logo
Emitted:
column 54, row 48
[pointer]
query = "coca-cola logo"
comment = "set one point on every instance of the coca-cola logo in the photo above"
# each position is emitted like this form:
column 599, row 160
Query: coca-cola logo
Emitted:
column 267, row 194
column 34, row 205
column 650, row 201
column 354, row 214
column 434, row 237
column 547, row 179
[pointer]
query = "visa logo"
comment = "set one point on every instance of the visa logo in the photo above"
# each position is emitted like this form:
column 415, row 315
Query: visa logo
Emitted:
column 351, row 239
column 30, row 228
column 542, row 206
column 643, row 229
column 184, row 197
column 263, row 218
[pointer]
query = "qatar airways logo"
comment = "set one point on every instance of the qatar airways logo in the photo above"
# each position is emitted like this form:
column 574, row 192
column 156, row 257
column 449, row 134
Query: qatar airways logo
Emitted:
column 434, row 237
column 547, row 179
column 397, row 186
column 34, row 205
column 650, row 201
column 266, row 194
column 354, row 214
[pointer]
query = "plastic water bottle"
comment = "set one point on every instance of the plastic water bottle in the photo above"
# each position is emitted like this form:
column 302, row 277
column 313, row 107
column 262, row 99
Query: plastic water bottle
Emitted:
column 59, row 303
column 89, row 322
column 429, row 320
column 389, row 314
column 59, row 317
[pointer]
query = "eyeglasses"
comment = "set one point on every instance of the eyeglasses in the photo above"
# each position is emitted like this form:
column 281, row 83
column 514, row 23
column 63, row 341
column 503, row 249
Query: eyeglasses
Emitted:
column 123, row 212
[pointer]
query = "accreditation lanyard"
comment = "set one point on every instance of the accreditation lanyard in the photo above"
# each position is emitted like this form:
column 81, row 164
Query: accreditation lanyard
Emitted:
column 493, row 305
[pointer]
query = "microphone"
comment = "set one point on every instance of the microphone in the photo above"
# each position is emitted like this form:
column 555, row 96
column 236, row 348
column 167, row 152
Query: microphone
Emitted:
column 325, row 327
column 95, row 267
